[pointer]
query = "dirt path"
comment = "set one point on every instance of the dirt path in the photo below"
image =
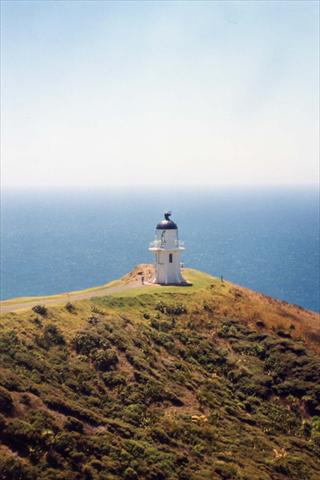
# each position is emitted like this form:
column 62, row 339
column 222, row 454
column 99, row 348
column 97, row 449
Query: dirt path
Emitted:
column 11, row 306
column 130, row 280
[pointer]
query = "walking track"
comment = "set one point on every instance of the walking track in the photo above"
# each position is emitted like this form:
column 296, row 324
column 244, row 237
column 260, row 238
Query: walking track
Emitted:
column 8, row 306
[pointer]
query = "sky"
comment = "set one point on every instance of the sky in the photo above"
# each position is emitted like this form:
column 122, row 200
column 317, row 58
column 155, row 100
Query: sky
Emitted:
column 100, row 93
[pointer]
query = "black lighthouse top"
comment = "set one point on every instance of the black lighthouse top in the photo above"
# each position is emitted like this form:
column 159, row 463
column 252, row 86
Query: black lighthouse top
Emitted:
column 167, row 224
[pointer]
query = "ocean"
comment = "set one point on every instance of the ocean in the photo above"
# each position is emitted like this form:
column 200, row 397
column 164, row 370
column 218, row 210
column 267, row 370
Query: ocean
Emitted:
column 58, row 240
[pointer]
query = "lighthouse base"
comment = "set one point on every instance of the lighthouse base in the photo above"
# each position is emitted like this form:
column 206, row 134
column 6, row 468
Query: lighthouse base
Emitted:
column 168, row 267
column 183, row 283
column 168, row 276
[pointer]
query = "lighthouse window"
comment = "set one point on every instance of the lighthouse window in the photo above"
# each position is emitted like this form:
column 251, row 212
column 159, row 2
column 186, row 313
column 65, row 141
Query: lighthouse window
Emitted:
column 170, row 257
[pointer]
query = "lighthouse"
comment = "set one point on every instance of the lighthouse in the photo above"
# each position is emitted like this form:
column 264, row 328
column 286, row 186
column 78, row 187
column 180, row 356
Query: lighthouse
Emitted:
column 167, row 249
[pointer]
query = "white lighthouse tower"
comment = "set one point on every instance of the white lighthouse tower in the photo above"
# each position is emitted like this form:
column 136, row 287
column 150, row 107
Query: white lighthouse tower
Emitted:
column 167, row 249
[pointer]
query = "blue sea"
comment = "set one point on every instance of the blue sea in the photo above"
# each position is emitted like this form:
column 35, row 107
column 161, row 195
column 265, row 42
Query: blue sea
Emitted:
column 58, row 240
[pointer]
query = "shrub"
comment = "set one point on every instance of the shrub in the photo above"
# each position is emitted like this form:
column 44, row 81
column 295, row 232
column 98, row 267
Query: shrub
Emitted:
column 312, row 403
column 291, row 387
column 73, row 425
column 307, row 427
column 65, row 444
column 25, row 399
column 136, row 360
column 105, row 360
column 227, row 471
column 130, row 474
column 70, row 307
column 256, row 386
column 9, row 343
column 162, row 326
column 283, row 333
column 250, row 403
column 155, row 324
column 178, row 309
column 133, row 413
column 11, row 468
column 37, row 321
column 42, row 421
column 160, row 435
column 113, row 380
column 41, row 310
column 29, row 361
column 70, row 409
column 95, row 309
column 21, row 435
column 93, row 320
column 85, row 342
column 207, row 307
column 51, row 336
column 6, row 403
column 165, row 326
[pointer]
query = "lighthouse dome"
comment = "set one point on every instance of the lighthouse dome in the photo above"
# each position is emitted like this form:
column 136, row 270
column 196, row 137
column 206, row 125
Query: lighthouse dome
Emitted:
column 166, row 223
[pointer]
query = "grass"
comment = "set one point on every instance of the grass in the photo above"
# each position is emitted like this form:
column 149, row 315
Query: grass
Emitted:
column 170, row 383
column 61, row 296
column 197, row 279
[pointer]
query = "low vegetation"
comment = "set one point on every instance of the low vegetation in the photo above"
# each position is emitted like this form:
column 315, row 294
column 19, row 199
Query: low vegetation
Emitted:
column 158, row 386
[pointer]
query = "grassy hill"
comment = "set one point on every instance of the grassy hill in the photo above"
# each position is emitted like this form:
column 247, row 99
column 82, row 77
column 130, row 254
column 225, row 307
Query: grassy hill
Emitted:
column 212, row 381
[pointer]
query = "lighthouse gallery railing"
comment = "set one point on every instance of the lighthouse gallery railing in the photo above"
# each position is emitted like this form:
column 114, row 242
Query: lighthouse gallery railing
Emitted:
column 163, row 244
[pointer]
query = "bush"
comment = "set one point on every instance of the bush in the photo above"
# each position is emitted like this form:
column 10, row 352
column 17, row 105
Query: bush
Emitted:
column 258, row 386
column 41, row 310
column 178, row 309
column 130, row 474
column 20, row 435
column 73, row 425
column 93, row 320
column 30, row 361
column 113, row 380
column 162, row 326
column 65, row 444
column 133, row 413
column 6, row 403
column 85, row 342
column 51, row 336
column 95, row 309
column 260, row 324
column 159, row 435
column 227, row 471
column 283, row 333
column 11, row 468
column 42, row 421
column 105, row 360
column 70, row 307
column 70, row 409
column 291, row 387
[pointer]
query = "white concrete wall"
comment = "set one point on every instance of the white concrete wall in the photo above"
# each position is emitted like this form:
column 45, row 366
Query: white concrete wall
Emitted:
column 167, row 272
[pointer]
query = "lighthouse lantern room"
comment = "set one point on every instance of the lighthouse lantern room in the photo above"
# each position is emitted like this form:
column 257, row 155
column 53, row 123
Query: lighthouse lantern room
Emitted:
column 167, row 249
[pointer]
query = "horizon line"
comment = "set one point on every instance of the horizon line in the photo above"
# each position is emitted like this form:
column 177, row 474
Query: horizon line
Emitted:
column 315, row 185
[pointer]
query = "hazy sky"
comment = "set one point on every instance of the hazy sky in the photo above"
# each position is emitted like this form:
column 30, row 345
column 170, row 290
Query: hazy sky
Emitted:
column 99, row 93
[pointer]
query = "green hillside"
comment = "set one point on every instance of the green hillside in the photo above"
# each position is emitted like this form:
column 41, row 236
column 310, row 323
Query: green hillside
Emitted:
column 205, row 382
